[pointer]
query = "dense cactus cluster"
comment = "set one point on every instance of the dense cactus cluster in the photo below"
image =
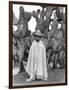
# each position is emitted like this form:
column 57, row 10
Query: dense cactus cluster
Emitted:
column 53, row 38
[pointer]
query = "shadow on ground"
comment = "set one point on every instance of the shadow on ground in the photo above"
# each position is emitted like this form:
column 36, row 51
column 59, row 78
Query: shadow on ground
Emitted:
column 54, row 76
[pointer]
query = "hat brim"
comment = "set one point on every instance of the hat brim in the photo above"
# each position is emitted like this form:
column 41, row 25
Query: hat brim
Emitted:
column 36, row 34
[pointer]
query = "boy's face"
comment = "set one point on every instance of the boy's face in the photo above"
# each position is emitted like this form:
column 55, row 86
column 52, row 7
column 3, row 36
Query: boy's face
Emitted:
column 37, row 38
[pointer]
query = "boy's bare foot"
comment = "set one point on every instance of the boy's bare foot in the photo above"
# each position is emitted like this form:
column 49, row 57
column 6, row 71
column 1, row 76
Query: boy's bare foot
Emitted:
column 30, row 79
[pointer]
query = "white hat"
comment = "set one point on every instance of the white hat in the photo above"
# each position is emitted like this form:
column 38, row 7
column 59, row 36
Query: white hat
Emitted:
column 38, row 33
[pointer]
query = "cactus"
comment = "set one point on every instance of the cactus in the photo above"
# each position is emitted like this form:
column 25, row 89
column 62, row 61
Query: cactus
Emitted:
column 53, row 39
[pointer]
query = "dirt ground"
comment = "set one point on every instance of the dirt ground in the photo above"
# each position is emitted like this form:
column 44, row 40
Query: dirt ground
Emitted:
column 54, row 76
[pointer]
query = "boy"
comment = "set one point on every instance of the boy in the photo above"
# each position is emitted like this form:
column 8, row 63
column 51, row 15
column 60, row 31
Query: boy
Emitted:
column 36, row 65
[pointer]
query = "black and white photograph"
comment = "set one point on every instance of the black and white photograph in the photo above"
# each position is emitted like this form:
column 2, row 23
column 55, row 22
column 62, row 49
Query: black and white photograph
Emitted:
column 38, row 44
